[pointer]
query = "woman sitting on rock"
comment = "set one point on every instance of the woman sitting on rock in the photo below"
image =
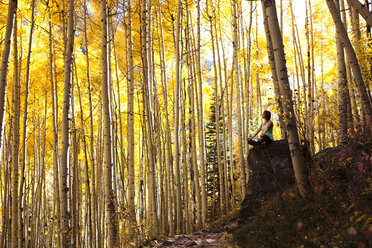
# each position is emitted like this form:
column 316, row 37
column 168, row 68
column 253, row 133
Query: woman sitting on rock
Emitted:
column 267, row 131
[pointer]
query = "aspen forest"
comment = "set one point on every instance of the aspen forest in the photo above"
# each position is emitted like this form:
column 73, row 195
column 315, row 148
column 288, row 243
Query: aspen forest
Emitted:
column 125, row 123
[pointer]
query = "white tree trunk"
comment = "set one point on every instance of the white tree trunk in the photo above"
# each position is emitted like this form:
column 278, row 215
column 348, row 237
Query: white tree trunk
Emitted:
column 66, row 115
column 270, row 53
column 130, row 129
column 22, row 200
column 169, row 159
column 239, row 104
column 147, row 97
column 363, row 11
column 201, row 125
column 352, row 59
column 297, row 156
column 341, row 86
column 177, row 117
column 15, row 140
column 12, row 9
column 110, row 207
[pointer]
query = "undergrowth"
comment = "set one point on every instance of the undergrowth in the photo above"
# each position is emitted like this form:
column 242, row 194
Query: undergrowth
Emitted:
column 224, row 219
column 336, row 214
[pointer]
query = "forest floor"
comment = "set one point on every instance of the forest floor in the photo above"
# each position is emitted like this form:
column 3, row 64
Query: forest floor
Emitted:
column 337, row 213
column 215, row 236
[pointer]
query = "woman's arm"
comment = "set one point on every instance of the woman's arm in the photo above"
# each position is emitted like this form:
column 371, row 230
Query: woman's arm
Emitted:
column 267, row 128
column 258, row 130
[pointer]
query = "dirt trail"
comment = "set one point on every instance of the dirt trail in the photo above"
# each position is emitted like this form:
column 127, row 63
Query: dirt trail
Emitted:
column 216, row 237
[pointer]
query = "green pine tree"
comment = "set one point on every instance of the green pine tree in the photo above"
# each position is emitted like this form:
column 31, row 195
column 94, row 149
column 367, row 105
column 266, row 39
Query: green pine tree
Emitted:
column 211, row 163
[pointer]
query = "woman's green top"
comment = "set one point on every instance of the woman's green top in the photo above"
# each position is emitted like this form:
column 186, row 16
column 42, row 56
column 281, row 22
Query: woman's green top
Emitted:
column 269, row 131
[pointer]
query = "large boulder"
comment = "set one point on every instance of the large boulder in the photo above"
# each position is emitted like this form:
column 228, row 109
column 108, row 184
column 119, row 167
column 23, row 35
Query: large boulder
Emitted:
column 270, row 172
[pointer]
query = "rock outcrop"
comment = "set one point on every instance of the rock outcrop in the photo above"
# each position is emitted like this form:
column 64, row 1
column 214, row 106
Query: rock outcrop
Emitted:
column 271, row 172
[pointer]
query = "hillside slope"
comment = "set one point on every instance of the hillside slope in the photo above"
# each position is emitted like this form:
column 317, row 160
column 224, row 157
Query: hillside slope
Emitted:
column 337, row 214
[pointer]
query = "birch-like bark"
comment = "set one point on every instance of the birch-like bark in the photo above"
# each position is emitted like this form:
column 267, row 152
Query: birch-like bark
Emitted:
column 65, row 154
column 130, row 127
column 12, row 9
column 297, row 95
column 92, row 195
column 190, row 93
column 74, row 168
column 270, row 53
column 99, row 190
column 185, row 221
column 348, row 72
column 309, row 96
column 366, row 5
column 22, row 201
column 230, row 145
column 194, row 165
column 201, row 125
column 244, row 74
column 6, row 198
column 177, row 117
column 88, row 195
column 15, row 141
column 238, row 86
column 110, row 207
column 92, row 153
column 229, row 101
column 352, row 59
column 151, row 110
column 223, row 91
column 297, row 43
column 297, row 156
column 363, row 11
column 56, row 160
column 152, row 213
column 247, row 72
column 341, row 86
column 355, row 40
column 169, row 160
column 322, row 115
column 312, row 80
column 355, row 30
column 258, row 83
